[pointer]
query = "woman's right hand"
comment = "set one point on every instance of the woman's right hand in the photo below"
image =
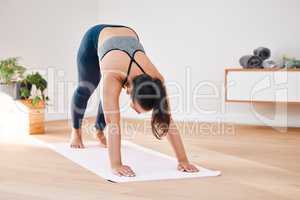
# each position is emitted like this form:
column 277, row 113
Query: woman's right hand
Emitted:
column 123, row 170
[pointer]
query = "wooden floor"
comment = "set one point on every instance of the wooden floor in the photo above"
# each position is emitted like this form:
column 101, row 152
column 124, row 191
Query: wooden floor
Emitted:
column 257, row 163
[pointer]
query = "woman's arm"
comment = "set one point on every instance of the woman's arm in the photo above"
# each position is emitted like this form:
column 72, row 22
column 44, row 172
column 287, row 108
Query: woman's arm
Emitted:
column 176, row 142
column 111, row 92
column 178, row 147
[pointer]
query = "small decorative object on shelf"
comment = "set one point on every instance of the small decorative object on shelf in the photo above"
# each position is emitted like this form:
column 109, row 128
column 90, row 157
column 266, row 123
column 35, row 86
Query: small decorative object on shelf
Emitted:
column 269, row 64
column 256, row 60
column 250, row 62
column 263, row 53
column 260, row 59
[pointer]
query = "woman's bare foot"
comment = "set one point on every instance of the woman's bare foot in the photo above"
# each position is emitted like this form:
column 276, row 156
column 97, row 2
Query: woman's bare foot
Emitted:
column 76, row 139
column 99, row 135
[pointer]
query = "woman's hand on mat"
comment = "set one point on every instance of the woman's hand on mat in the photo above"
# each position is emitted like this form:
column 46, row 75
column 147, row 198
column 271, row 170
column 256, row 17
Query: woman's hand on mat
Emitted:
column 123, row 170
column 187, row 167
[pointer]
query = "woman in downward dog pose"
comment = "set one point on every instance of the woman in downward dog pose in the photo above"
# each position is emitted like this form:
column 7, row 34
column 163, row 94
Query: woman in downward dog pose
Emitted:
column 124, row 65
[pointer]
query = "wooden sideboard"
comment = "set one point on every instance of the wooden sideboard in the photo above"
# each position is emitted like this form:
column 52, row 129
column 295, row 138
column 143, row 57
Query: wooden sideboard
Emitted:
column 262, row 85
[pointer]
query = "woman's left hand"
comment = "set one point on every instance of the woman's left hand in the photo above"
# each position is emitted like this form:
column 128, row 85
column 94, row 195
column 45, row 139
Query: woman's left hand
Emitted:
column 187, row 167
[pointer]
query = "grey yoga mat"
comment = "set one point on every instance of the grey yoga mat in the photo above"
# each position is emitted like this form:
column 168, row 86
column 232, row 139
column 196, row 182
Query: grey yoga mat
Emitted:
column 262, row 52
column 250, row 61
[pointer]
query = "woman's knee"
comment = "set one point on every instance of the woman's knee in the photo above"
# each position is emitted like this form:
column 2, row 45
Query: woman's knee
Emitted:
column 85, row 89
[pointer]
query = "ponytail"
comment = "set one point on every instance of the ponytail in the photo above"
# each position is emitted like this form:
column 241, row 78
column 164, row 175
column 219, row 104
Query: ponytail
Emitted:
column 150, row 93
column 160, row 121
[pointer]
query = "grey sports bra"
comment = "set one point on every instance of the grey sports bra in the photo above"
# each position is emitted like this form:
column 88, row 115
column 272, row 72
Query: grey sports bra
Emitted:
column 128, row 44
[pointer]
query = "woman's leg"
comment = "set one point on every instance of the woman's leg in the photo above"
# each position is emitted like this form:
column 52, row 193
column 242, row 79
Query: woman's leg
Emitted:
column 100, row 120
column 88, row 80
column 100, row 125
column 89, row 77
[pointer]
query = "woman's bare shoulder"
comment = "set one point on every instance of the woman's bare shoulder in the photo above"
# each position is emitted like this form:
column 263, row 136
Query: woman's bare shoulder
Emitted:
column 149, row 67
column 111, row 80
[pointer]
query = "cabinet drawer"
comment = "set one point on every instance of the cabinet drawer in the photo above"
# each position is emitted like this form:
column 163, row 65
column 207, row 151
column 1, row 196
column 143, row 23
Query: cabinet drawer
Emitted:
column 262, row 85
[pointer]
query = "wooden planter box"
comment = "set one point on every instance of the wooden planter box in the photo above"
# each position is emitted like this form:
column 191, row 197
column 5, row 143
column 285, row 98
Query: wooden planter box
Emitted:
column 36, row 117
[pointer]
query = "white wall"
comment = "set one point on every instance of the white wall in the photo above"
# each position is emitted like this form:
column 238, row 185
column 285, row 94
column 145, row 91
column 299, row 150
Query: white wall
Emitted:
column 46, row 35
column 206, row 37
column 203, row 37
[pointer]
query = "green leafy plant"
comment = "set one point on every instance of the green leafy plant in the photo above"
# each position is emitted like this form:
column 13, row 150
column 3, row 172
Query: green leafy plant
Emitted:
column 40, row 85
column 25, row 92
column 10, row 70
column 290, row 62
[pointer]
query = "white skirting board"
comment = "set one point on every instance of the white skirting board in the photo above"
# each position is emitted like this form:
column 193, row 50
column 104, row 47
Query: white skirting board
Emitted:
column 149, row 165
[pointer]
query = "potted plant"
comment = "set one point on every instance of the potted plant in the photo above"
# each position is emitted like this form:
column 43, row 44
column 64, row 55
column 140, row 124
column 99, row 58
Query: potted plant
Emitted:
column 10, row 73
column 32, row 89
column 290, row 62
column 32, row 93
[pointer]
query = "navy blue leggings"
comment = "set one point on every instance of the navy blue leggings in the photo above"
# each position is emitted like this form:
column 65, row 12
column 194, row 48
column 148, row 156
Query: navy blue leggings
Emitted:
column 89, row 76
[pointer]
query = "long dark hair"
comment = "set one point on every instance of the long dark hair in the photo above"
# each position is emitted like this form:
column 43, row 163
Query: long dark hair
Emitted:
column 150, row 93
